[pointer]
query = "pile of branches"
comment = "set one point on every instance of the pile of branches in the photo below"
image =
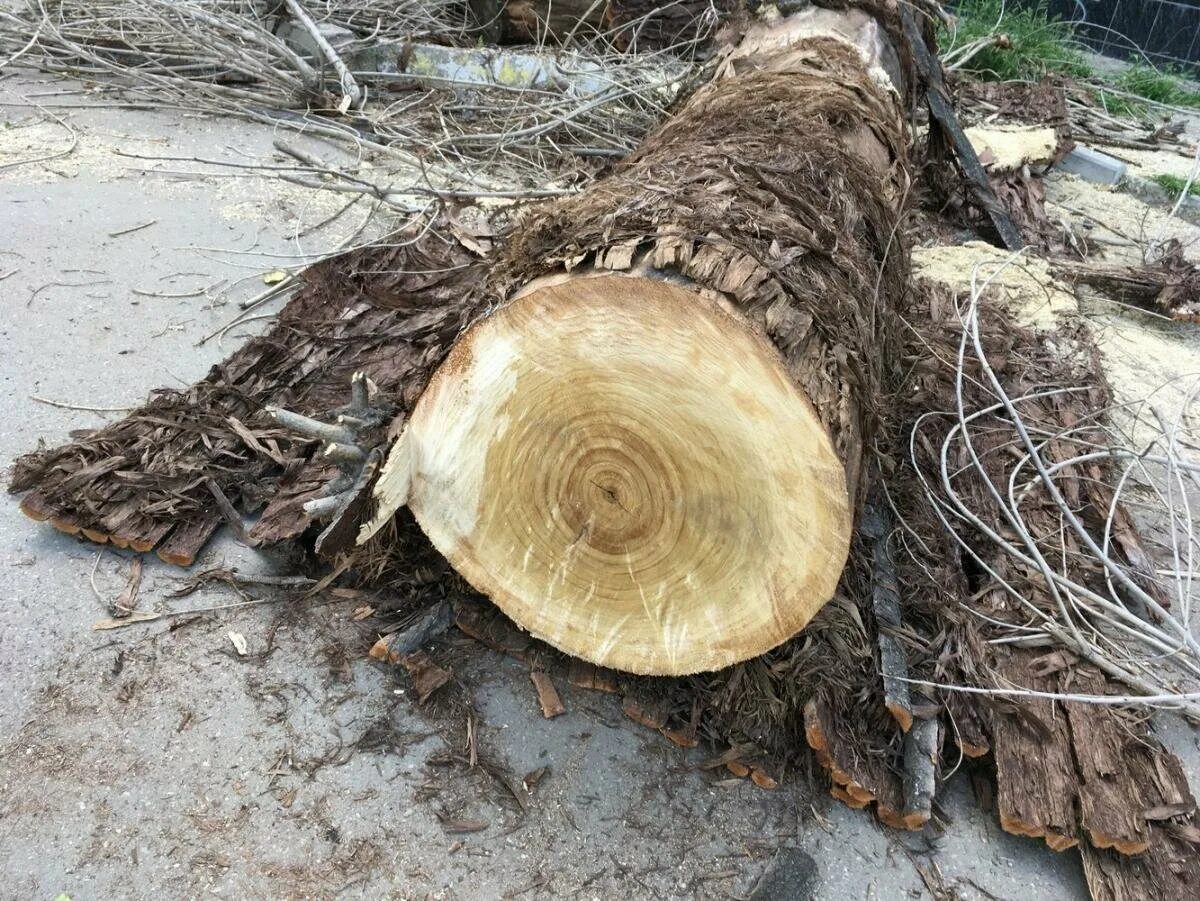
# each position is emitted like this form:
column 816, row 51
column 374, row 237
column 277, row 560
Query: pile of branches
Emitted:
column 442, row 118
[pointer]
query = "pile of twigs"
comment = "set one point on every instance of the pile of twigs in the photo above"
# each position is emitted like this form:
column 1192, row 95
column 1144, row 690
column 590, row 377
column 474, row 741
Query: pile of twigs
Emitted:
column 1063, row 580
column 451, row 132
column 438, row 20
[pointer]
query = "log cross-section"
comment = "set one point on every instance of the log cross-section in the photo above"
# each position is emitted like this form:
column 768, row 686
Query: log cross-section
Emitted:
column 626, row 469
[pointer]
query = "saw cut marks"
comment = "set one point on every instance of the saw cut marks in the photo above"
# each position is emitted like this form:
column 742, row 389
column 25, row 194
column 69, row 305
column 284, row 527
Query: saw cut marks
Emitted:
column 625, row 468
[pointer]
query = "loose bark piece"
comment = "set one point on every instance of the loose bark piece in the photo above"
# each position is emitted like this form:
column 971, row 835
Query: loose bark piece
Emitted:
column 1170, row 286
column 582, row 674
column 1126, row 777
column 188, row 540
column 285, row 517
column 922, row 747
column 967, row 726
column 429, row 625
column 491, row 627
column 645, row 709
column 548, row 697
column 538, row 20
column 1036, row 779
column 1169, row 870
column 858, row 780
column 763, row 779
column 426, row 675
column 885, row 597
column 942, row 112
column 656, row 442
column 1111, row 805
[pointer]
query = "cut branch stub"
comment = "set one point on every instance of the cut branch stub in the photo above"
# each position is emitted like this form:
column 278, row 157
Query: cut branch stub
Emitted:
column 624, row 466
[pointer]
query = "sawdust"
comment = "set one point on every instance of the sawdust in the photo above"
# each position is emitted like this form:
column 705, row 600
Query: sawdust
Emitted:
column 1149, row 163
column 58, row 150
column 1026, row 288
column 1125, row 225
column 1149, row 363
column 1002, row 148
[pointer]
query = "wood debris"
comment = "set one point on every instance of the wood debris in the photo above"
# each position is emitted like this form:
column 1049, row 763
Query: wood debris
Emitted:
column 547, row 695
column 427, row 676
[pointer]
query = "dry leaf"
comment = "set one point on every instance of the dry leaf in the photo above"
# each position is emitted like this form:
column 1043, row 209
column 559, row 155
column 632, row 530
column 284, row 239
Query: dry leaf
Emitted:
column 361, row 613
column 239, row 642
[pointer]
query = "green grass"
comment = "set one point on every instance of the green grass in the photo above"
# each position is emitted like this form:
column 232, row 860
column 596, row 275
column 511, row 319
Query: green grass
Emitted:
column 1163, row 85
column 1174, row 185
column 1037, row 44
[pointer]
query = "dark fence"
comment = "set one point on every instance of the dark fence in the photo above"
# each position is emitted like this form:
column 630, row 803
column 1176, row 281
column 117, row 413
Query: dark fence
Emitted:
column 1166, row 31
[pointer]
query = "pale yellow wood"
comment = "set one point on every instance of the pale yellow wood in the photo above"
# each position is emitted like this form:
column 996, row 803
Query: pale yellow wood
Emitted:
column 624, row 467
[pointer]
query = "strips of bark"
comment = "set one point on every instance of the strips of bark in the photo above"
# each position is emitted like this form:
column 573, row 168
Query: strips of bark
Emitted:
column 876, row 524
column 126, row 601
column 858, row 779
column 922, row 750
column 941, row 111
column 426, row 675
column 582, row 674
column 188, row 539
column 285, row 517
column 1036, row 779
column 428, row 626
column 1124, row 774
column 489, row 626
column 1170, row 286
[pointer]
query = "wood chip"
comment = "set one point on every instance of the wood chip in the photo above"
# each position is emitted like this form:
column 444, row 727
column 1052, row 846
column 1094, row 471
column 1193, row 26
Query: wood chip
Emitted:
column 532, row 779
column 426, row 675
column 454, row 826
column 548, row 698
column 132, row 619
column 762, row 779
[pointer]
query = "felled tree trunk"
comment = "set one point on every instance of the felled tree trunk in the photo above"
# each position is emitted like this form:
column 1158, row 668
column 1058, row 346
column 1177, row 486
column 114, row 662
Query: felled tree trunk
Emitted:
column 651, row 454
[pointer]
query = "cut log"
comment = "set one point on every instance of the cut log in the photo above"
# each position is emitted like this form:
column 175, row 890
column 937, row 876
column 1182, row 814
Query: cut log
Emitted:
column 625, row 468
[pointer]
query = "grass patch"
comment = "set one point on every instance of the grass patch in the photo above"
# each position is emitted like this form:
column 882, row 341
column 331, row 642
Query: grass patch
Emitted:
column 1174, row 185
column 1037, row 44
column 1165, row 85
